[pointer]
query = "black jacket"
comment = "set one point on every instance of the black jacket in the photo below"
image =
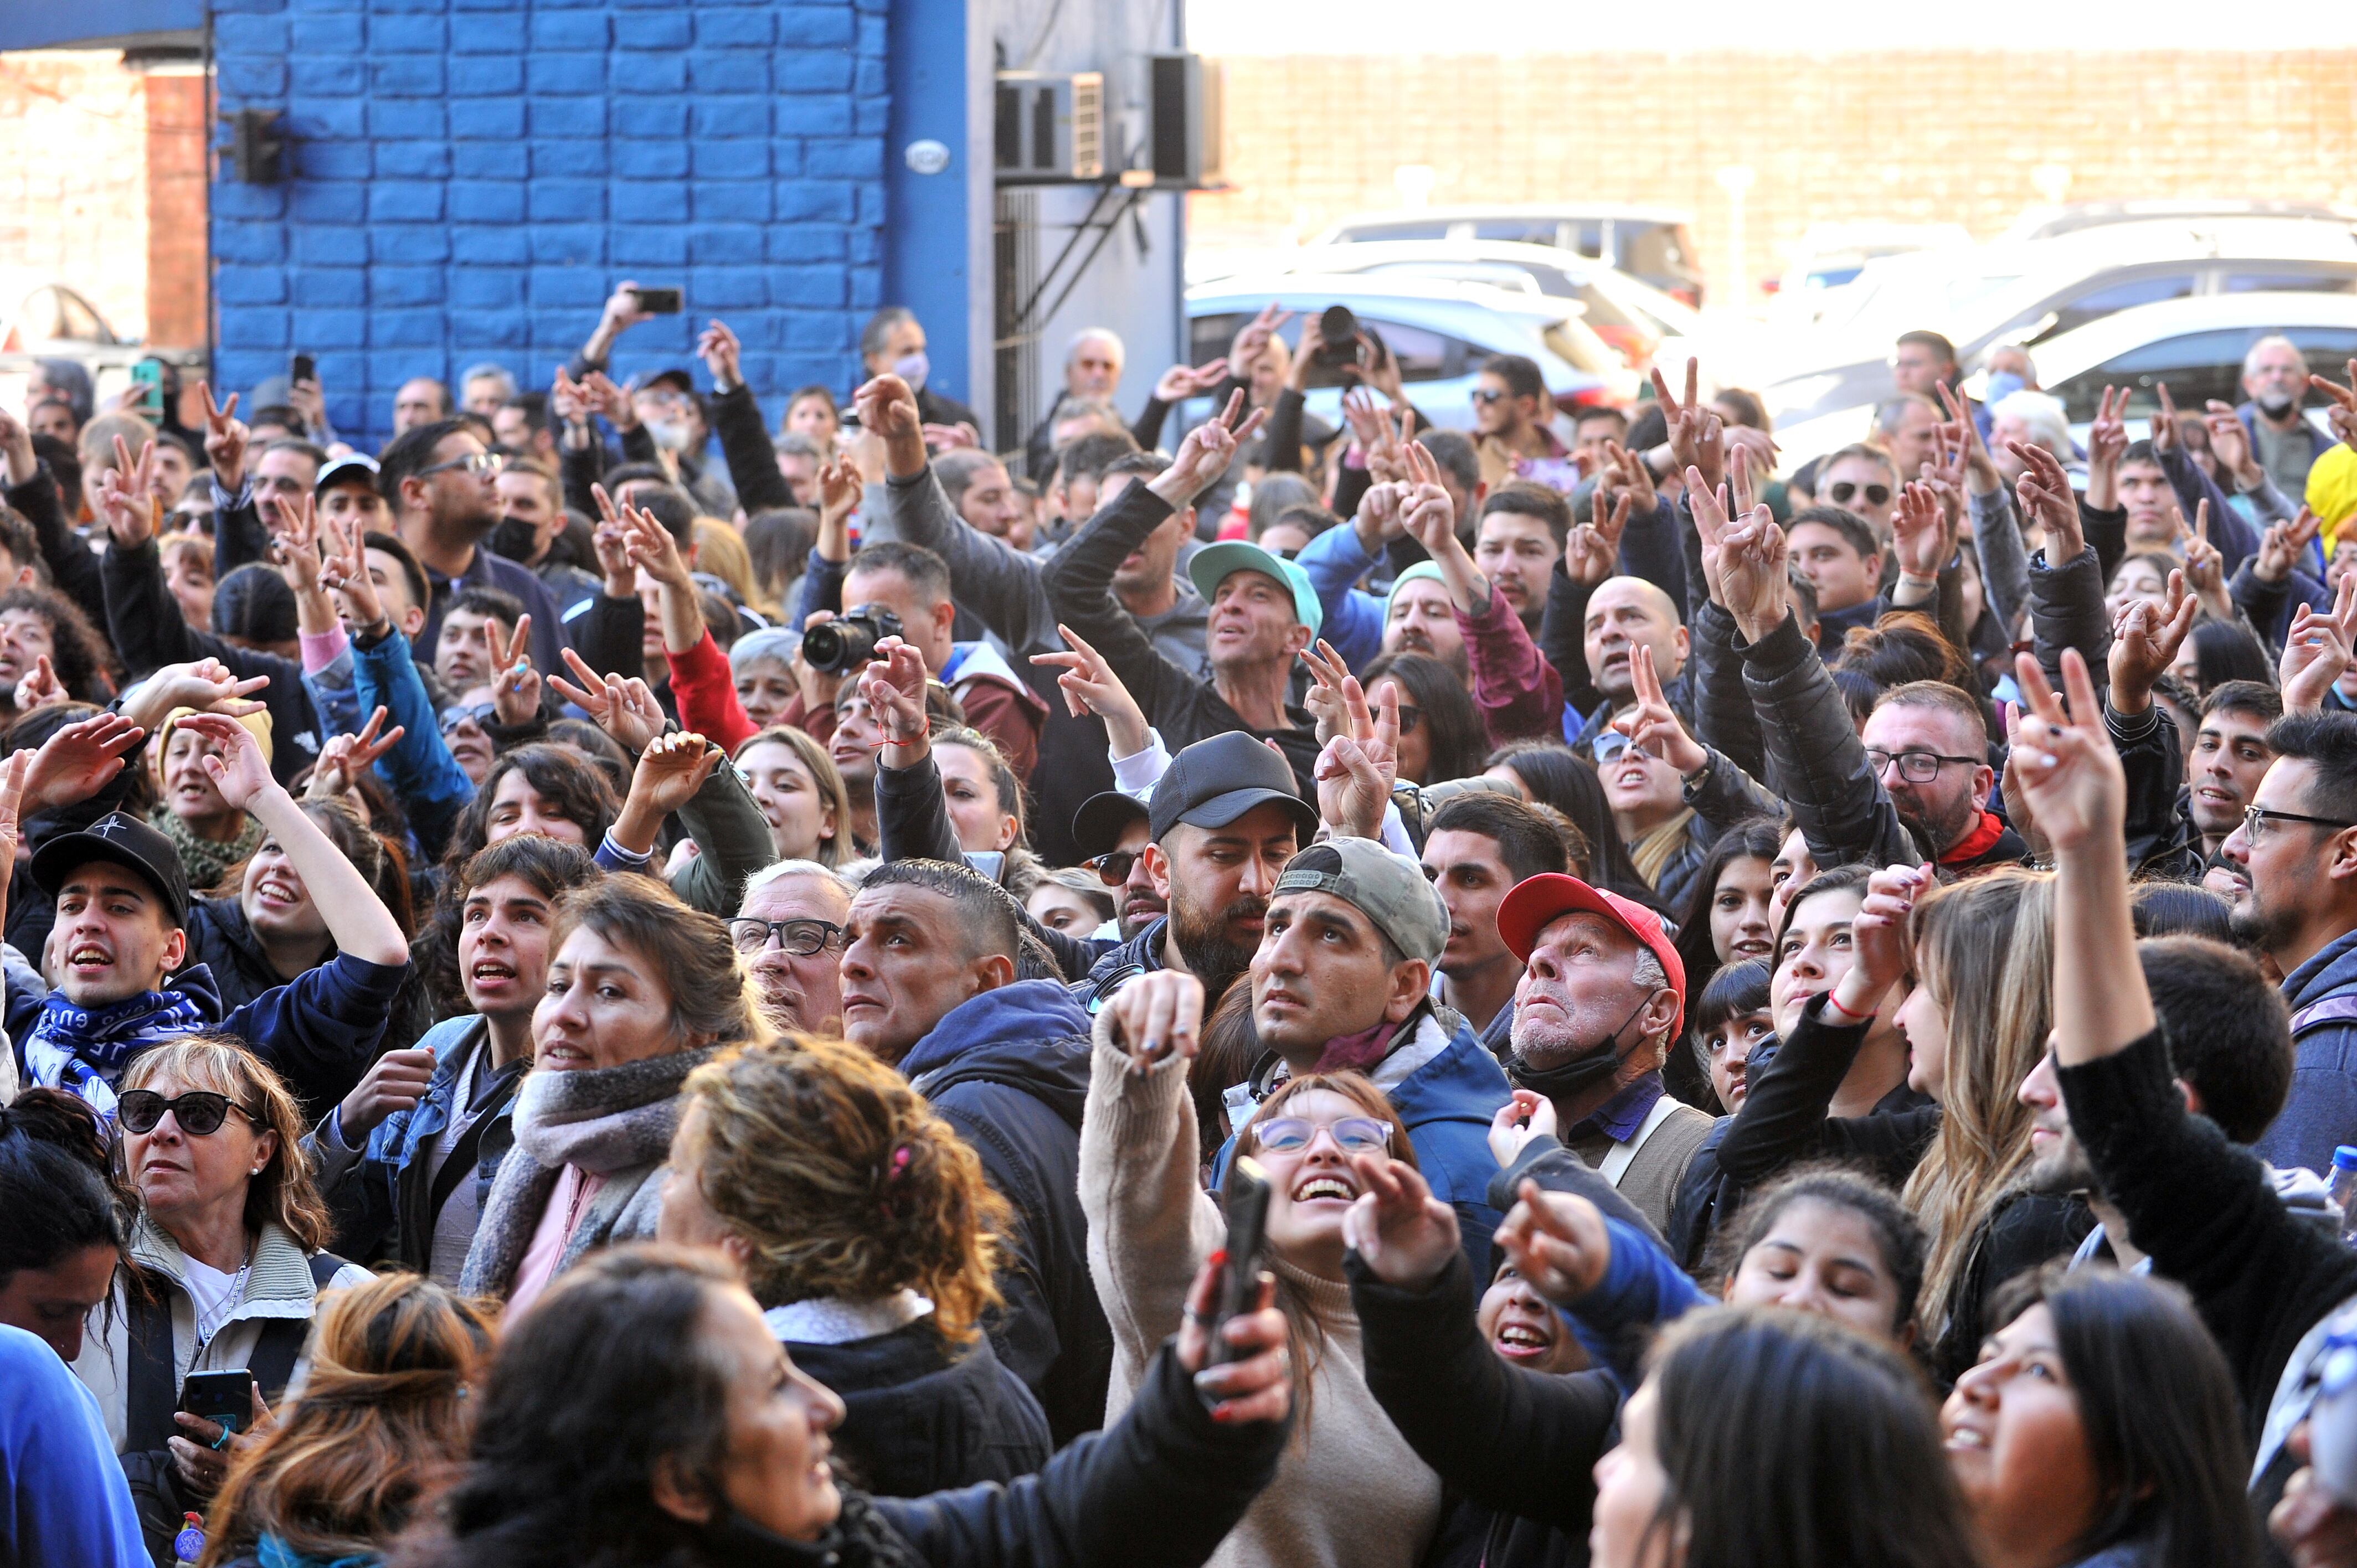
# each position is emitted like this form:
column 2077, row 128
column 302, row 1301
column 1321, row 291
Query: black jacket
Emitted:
column 73, row 567
column 1784, row 1119
column 1514, row 1445
column 1009, row 1069
column 1816, row 760
column 923, row 1416
column 2261, row 1276
column 220, row 938
column 2025, row 1230
column 1184, row 707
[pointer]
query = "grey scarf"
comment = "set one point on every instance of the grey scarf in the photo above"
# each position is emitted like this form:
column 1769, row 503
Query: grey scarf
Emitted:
column 603, row 1120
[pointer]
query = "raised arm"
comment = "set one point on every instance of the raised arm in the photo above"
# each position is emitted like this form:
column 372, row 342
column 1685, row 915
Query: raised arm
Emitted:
column 745, row 443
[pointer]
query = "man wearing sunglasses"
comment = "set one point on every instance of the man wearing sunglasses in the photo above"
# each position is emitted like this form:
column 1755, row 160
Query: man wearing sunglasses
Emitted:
column 441, row 484
column 122, row 908
column 2298, row 844
column 1113, row 830
column 1864, row 480
column 1342, row 983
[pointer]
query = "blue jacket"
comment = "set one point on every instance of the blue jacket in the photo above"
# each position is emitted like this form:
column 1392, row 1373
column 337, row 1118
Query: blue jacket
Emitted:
column 1445, row 1102
column 1642, row 1287
column 63, row 1495
column 432, row 788
column 1009, row 1069
column 2322, row 1110
column 379, row 1194
column 1334, row 561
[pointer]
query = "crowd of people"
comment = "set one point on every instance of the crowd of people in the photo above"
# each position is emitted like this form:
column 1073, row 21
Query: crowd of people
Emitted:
column 601, row 985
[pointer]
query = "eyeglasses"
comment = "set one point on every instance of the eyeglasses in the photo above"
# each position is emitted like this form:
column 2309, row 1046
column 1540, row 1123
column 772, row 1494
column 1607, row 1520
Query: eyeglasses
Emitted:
column 800, row 938
column 479, row 464
column 199, row 1113
column 1114, row 867
column 1486, row 395
column 1915, row 767
column 1607, row 744
column 1409, row 718
column 2257, row 818
column 1352, row 1135
column 1876, row 495
column 477, row 714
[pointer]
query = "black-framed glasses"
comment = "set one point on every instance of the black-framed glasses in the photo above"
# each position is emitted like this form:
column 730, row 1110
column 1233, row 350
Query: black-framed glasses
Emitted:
column 1915, row 767
column 1876, row 495
column 479, row 464
column 2257, row 818
column 200, row 1112
column 1352, row 1135
column 800, row 938
column 460, row 715
column 1114, row 867
column 1486, row 395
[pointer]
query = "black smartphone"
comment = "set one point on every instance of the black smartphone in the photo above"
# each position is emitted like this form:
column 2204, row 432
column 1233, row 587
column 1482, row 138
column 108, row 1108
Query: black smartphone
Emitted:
column 659, row 301
column 1244, row 1196
column 148, row 374
column 302, row 368
column 223, row 1397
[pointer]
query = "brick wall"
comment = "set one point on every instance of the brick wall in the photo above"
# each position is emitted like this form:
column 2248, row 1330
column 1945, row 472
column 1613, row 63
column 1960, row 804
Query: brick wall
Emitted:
column 471, row 176
column 1919, row 136
column 73, row 178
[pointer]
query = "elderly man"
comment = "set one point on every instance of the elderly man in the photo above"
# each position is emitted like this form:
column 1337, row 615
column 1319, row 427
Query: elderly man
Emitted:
column 2274, row 385
column 1601, row 1002
column 1092, row 365
column 1342, row 983
column 790, row 931
column 420, row 401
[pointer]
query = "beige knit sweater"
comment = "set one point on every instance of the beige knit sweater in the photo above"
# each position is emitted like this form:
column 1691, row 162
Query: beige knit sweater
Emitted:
column 1350, row 1492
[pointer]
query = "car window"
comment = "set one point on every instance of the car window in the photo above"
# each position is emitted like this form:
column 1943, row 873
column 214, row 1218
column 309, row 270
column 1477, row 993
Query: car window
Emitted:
column 1411, row 229
column 1586, row 235
column 2109, row 296
column 77, row 321
column 2196, row 366
column 1424, row 355
column 1651, row 251
column 1575, row 342
column 1210, row 337
column 2283, row 278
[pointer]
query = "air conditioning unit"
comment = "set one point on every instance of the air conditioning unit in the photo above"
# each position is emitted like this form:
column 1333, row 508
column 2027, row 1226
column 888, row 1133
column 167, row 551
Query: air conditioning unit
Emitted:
column 1051, row 129
column 1188, row 135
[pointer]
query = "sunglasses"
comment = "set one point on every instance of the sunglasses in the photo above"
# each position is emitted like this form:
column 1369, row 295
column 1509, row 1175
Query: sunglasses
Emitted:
column 476, row 713
column 1876, row 495
column 199, row 1112
column 1485, row 395
column 476, row 463
column 1352, row 1135
column 1114, row 867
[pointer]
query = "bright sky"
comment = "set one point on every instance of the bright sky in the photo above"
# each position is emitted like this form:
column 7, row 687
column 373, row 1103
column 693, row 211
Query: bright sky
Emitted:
column 1562, row 27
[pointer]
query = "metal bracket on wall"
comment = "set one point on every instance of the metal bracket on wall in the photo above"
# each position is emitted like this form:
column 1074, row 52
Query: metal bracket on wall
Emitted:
column 1115, row 198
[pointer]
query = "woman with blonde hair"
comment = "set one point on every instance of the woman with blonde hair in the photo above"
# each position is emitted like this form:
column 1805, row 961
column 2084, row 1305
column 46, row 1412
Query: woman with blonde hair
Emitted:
column 801, row 793
column 379, row 1427
column 869, row 1237
column 1977, row 1022
column 229, row 1247
column 720, row 552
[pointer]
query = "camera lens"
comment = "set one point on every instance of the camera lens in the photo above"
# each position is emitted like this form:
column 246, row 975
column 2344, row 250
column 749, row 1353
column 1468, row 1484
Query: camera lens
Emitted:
column 833, row 647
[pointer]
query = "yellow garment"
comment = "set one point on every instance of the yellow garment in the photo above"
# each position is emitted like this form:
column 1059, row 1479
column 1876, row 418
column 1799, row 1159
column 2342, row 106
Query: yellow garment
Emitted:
column 1654, row 851
column 2332, row 491
column 257, row 722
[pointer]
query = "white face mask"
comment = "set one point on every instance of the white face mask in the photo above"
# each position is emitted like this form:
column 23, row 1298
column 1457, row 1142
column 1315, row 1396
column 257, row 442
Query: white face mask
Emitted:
column 671, row 434
column 913, row 368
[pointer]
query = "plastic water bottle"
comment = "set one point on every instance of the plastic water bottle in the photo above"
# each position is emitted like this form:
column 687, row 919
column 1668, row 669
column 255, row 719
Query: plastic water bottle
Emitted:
column 2333, row 1419
column 189, row 1544
column 2343, row 1190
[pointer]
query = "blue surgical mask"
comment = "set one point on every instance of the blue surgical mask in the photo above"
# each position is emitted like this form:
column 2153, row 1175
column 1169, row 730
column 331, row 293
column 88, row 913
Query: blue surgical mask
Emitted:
column 913, row 368
column 2002, row 384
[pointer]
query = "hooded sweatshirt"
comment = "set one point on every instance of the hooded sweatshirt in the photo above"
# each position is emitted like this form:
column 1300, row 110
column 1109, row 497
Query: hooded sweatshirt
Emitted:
column 2321, row 1111
column 1009, row 1069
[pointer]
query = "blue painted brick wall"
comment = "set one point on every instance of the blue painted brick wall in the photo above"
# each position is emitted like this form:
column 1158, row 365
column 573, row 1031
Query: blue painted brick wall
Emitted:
column 470, row 181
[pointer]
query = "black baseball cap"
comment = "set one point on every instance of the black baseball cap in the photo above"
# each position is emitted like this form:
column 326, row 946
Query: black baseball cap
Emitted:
column 125, row 841
column 1212, row 782
column 1102, row 818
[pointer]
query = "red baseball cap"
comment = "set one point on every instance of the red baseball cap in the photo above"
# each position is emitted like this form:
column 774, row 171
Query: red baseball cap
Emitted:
column 1537, row 901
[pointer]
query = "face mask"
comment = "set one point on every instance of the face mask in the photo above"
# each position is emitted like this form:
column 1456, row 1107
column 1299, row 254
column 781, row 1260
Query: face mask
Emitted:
column 1581, row 1072
column 671, row 434
column 2274, row 404
column 2002, row 384
column 513, row 540
column 913, row 368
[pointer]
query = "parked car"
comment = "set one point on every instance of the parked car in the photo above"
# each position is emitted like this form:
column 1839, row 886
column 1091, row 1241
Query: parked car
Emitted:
column 1831, row 255
column 1440, row 331
column 2032, row 292
column 1636, row 319
column 43, row 318
column 2049, row 222
column 1651, row 243
column 2194, row 345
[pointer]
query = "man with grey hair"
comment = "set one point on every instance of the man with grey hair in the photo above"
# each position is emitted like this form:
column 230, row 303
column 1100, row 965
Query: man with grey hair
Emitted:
column 1907, row 428
column 789, row 930
column 483, row 388
column 2274, row 385
column 2034, row 419
column 799, row 460
column 893, row 343
column 1602, row 1001
column 1093, row 364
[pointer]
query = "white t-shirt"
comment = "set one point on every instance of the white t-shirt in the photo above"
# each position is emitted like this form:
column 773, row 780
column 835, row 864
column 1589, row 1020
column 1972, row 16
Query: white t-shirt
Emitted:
column 214, row 1292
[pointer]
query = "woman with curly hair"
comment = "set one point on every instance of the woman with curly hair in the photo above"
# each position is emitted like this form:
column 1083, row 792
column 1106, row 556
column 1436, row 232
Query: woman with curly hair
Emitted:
column 379, row 1426
column 868, row 1235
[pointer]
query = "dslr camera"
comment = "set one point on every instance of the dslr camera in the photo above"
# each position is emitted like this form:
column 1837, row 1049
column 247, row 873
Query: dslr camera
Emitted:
column 849, row 641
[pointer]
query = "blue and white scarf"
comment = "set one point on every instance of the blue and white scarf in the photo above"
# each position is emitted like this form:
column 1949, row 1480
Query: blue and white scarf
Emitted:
column 83, row 1051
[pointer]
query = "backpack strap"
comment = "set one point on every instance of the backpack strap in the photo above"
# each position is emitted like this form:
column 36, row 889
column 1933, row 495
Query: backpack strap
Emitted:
column 2341, row 1009
column 282, row 1338
column 152, row 1390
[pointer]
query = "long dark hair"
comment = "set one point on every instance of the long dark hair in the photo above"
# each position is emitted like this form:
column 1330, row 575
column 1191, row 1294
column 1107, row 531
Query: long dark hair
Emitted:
column 1452, row 726
column 610, row 1373
column 1789, row 1441
column 1557, row 776
column 57, row 1196
column 2223, row 652
column 576, row 785
column 2168, row 1451
column 1755, row 838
